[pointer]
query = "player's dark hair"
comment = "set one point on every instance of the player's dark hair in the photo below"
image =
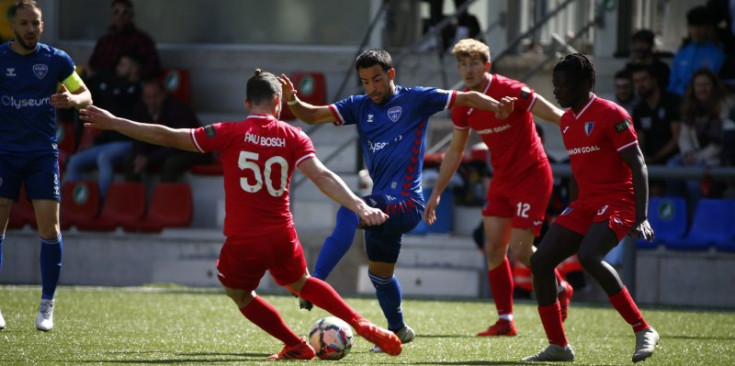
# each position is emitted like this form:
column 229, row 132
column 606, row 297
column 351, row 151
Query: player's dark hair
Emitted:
column 262, row 87
column 372, row 57
column 21, row 4
column 578, row 67
column 644, row 35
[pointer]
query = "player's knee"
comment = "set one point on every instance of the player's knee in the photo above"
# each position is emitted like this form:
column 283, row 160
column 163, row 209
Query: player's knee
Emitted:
column 522, row 252
column 540, row 265
column 588, row 260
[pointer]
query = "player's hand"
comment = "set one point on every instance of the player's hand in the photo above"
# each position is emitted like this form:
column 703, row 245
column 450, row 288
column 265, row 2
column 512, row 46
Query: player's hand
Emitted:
column 505, row 107
column 643, row 230
column 430, row 211
column 287, row 88
column 62, row 99
column 372, row 216
column 96, row 117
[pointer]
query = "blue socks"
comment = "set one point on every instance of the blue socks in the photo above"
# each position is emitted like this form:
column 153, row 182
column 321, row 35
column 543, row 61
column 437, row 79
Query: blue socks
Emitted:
column 337, row 244
column 50, row 266
column 388, row 291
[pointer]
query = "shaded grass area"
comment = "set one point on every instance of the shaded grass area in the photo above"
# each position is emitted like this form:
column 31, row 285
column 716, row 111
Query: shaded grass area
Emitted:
column 178, row 326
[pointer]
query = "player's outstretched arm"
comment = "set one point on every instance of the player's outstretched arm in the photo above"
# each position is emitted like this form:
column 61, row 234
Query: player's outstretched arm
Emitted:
column 633, row 157
column 543, row 109
column 79, row 98
column 306, row 112
column 450, row 162
column 502, row 108
column 335, row 188
column 155, row 134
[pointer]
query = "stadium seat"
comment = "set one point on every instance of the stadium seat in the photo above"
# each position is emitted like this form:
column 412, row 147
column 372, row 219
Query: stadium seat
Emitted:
column 171, row 206
column 668, row 218
column 124, row 205
column 22, row 213
column 178, row 83
column 80, row 202
column 711, row 224
column 728, row 245
column 311, row 87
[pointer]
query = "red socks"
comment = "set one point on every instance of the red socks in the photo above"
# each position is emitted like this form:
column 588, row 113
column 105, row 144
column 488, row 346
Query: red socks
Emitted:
column 551, row 319
column 624, row 304
column 265, row 316
column 323, row 295
column 501, row 286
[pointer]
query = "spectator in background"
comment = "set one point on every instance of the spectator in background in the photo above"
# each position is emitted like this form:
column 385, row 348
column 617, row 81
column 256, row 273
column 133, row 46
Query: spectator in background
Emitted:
column 657, row 119
column 123, row 37
column 624, row 92
column 641, row 52
column 120, row 91
column 699, row 50
column 705, row 109
column 108, row 151
column 160, row 107
column 723, row 12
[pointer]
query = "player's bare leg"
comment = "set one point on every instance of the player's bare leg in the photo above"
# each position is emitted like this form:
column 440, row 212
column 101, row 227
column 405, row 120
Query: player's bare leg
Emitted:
column 596, row 244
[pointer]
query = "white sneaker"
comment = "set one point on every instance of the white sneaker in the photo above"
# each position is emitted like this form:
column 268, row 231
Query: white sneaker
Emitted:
column 405, row 334
column 645, row 343
column 552, row 353
column 2, row 321
column 45, row 317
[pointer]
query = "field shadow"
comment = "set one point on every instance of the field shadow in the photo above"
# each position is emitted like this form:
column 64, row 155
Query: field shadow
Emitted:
column 195, row 358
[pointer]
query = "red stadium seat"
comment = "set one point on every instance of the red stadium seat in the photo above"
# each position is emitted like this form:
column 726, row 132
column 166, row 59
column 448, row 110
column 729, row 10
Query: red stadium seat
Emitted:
column 124, row 205
column 171, row 206
column 178, row 83
column 22, row 213
column 80, row 202
column 311, row 87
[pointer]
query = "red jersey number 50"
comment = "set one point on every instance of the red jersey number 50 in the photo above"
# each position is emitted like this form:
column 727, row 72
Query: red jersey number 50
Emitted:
column 247, row 161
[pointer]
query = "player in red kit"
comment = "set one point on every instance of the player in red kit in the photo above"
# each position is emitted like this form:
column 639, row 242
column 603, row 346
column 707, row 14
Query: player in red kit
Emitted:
column 612, row 202
column 259, row 156
column 521, row 186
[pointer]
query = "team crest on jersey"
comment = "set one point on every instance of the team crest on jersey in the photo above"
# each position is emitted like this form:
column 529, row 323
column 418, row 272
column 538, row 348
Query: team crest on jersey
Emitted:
column 622, row 125
column 40, row 70
column 588, row 126
column 394, row 113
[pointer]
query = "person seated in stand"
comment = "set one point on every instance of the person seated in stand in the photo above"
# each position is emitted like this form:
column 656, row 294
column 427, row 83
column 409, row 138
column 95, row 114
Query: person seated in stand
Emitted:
column 160, row 107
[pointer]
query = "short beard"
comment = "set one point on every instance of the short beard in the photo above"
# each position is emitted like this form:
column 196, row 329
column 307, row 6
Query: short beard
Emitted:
column 24, row 45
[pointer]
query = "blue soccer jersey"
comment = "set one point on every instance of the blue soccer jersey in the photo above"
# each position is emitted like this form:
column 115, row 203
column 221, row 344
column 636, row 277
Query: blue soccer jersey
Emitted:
column 393, row 135
column 27, row 119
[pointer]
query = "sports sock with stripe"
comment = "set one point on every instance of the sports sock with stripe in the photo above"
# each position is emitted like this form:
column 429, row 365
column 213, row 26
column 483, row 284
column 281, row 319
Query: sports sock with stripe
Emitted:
column 51, row 251
column 388, row 291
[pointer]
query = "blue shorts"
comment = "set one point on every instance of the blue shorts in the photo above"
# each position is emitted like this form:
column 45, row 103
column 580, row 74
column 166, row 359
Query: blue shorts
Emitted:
column 383, row 242
column 39, row 172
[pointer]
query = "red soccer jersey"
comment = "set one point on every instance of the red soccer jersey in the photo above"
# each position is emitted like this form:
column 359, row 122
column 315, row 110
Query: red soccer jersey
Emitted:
column 594, row 139
column 513, row 142
column 258, row 158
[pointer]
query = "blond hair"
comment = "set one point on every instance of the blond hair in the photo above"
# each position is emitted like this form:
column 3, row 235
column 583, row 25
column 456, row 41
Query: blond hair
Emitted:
column 471, row 48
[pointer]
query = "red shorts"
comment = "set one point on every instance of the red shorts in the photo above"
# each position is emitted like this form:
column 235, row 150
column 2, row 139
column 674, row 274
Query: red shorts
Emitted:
column 524, row 200
column 243, row 261
column 619, row 214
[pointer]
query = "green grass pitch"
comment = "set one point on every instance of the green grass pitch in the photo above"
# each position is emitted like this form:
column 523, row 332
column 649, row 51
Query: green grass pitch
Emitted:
column 139, row 326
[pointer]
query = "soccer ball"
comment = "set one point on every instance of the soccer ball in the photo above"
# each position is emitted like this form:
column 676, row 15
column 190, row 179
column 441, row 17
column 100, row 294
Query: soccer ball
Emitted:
column 331, row 338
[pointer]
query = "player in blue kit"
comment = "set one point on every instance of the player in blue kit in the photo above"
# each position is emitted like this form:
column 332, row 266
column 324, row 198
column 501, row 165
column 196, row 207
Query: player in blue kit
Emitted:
column 29, row 74
column 391, row 122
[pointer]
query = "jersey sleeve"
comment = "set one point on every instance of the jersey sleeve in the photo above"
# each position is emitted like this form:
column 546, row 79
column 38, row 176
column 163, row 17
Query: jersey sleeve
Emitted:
column 459, row 117
column 210, row 137
column 344, row 111
column 304, row 148
column 66, row 66
column 621, row 131
column 525, row 96
column 435, row 100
